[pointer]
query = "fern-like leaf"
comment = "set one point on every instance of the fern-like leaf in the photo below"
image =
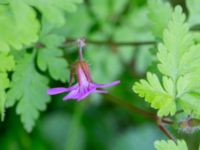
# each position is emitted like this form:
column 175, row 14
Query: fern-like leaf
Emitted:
column 4, row 84
column 28, row 87
column 18, row 25
column 170, row 145
column 160, row 97
column 179, row 63
column 157, row 10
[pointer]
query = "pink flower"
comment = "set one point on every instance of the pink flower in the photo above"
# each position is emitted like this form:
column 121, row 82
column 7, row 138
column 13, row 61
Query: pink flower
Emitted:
column 85, row 85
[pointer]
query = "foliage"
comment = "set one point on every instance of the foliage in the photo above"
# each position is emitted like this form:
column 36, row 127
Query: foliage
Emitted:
column 27, row 26
column 23, row 15
column 178, row 63
column 7, row 64
column 167, row 145
column 24, row 88
column 50, row 57
column 163, row 10
column 4, row 82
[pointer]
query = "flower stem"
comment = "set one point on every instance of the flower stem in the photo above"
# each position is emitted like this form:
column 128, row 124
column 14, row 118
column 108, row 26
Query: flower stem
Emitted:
column 81, row 44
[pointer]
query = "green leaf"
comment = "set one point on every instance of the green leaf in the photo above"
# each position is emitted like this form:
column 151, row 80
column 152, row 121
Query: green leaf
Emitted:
column 53, row 11
column 190, row 102
column 170, row 145
column 107, row 9
column 176, row 41
column 103, row 66
column 73, row 29
column 52, row 59
column 178, row 60
column 28, row 88
column 7, row 62
column 4, row 84
column 158, row 10
column 160, row 97
column 18, row 25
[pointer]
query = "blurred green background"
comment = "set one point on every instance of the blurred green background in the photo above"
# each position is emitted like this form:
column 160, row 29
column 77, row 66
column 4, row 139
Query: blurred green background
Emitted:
column 99, row 122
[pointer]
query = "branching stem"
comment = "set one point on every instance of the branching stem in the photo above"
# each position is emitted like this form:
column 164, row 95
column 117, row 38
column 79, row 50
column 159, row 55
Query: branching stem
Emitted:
column 160, row 121
column 165, row 130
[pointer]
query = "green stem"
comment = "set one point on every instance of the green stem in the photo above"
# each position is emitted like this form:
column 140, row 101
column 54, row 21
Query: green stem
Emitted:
column 75, row 126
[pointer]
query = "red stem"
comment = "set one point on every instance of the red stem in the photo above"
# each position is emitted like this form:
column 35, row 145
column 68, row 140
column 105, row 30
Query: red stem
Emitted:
column 165, row 130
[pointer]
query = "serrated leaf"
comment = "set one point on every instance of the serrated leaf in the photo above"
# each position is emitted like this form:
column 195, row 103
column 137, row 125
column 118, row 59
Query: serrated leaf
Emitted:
column 160, row 97
column 170, row 145
column 28, row 90
column 53, row 11
column 190, row 103
column 51, row 40
column 157, row 10
column 52, row 59
column 179, row 61
column 18, row 25
column 7, row 62
column 177, row 41
column 4, row 84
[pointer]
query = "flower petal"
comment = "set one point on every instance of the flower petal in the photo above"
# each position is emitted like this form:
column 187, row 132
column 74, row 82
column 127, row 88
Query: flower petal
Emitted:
column 59, row 90
column 82, row 78
column 84, row 94
column 107, row 85
column 80, row 93
column 71, row 95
